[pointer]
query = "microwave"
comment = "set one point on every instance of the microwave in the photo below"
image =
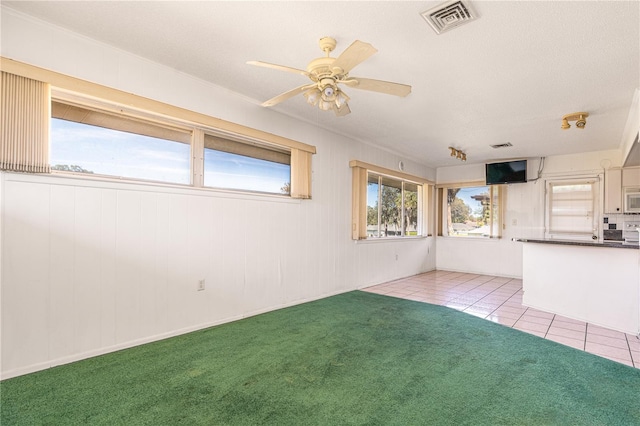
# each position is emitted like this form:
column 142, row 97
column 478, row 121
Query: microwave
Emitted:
column 632, row 200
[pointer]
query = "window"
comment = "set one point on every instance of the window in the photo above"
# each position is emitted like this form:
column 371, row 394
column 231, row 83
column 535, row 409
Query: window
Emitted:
column 245, row 166
column 105, row 131
column 95, row 142
column 572, row 208
column 387, row 204
column 392, row 207
column 472, row 211
column 103, row 139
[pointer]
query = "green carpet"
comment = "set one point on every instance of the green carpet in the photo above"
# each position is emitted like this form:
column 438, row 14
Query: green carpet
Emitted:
column 352, row 359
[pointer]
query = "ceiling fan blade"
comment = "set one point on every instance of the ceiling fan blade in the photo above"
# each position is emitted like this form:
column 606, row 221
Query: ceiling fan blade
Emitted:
column 381, row 86
column 278, row 67
column 355, row 54
column 343, row 110
column 286, row 95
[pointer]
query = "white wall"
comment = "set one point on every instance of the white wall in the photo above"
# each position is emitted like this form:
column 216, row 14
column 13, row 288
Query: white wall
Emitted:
column 91, row 266
column 523, row 213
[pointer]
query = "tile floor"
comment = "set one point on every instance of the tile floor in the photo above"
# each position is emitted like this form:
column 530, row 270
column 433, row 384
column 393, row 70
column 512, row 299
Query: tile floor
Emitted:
column 499, row 299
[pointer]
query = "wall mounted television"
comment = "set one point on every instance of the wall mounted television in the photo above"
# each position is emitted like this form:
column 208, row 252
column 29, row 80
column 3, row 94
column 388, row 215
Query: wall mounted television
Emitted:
column 506, row 172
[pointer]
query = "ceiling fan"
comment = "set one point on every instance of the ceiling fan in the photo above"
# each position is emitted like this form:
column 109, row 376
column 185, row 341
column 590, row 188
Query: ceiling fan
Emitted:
column 326, row 73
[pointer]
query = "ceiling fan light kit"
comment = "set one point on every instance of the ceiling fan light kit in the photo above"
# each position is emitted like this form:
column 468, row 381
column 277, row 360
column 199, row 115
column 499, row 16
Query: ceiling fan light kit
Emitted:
column 326, row 73
column 579, row 117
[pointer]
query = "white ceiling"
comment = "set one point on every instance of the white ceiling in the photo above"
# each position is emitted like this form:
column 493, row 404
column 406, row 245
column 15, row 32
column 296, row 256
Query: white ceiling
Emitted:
column 508, row 76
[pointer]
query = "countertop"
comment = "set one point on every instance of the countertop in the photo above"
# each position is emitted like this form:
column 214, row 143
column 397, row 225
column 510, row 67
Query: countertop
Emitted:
column 611, row 244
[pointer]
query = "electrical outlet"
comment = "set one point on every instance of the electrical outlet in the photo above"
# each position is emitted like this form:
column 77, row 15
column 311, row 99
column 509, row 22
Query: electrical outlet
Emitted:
column 200, row 285
column 396, row 257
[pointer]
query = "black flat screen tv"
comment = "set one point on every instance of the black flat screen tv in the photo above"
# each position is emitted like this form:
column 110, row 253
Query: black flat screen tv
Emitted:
column 506, row 172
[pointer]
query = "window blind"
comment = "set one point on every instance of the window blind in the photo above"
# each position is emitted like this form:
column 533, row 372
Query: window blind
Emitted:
column 300, row 174
column 24, row 124
column 247, row 149
column 127, row 124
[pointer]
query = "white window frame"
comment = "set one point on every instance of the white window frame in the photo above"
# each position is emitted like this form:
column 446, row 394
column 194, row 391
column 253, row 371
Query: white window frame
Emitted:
column 420, row 203
column 197, row 144
column 597, row 183
column 122, row 118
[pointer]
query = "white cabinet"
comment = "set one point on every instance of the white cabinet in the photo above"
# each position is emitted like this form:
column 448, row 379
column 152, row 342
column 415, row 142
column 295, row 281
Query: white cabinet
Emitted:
column 613, row 191
column 631, row 176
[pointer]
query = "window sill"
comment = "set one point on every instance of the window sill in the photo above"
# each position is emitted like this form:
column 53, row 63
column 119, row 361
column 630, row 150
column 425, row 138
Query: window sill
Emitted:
column 83, row 180
column 446, row 237
column 391, row 239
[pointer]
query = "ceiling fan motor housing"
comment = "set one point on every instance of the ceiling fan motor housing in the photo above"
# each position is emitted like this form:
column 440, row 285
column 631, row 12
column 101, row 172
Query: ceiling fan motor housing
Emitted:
column 321, row 68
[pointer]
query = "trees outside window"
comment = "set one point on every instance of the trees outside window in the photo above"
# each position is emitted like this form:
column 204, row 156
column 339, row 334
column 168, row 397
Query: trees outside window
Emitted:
column 392, row 207
column 473, row 211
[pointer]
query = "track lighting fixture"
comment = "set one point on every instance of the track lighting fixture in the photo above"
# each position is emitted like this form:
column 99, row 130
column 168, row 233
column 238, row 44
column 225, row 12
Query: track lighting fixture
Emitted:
column 579, row 117
column 458, row 154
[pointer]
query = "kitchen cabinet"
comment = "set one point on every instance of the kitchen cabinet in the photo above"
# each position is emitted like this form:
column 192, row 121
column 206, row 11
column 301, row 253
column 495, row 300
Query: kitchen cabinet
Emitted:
column 613, row 191
column 631, row 176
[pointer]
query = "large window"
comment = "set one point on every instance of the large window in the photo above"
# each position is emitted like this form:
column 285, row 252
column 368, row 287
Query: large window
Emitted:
column 107, row 132
column 392, row 207
column 572, row 209
column 472, row 211
column 94, row 142
column 387, row 203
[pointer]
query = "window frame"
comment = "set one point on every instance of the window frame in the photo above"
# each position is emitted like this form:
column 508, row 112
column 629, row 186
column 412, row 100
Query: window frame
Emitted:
column 495, row 192
column 130, row 118
column 597, row 192
column 301, row 153
column 256, row 150
column 381, row 178
column 301, row 189
column 360, row 177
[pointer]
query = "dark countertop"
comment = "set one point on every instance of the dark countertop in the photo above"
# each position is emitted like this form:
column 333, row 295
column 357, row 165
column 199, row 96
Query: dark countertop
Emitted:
column 612, row 244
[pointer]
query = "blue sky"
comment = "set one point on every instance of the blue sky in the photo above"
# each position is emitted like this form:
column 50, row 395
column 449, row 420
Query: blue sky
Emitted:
column 372, row 194
column 466, row 193
column 111, row 152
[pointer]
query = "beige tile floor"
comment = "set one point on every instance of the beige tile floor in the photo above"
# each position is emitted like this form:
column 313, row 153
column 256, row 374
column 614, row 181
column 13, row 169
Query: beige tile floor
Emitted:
column 499, row 299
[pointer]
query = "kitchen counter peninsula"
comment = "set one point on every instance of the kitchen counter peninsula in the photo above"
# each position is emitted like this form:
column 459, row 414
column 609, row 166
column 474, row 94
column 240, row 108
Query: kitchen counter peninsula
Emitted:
column 598, row 283
column 612, row 244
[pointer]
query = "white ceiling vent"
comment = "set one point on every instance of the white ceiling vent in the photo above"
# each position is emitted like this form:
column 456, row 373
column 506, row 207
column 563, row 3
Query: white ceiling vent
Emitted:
column 449, row 15
column 502, row 145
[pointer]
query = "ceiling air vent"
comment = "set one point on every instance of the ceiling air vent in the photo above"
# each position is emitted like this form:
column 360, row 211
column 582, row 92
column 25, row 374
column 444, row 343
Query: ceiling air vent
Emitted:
column 502, row 145
column 449, row 15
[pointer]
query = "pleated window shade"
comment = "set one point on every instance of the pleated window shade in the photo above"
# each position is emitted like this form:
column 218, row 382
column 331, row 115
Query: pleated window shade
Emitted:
column 247, row 149
column 117, row 122
column 300, row 174
column 24, row 124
